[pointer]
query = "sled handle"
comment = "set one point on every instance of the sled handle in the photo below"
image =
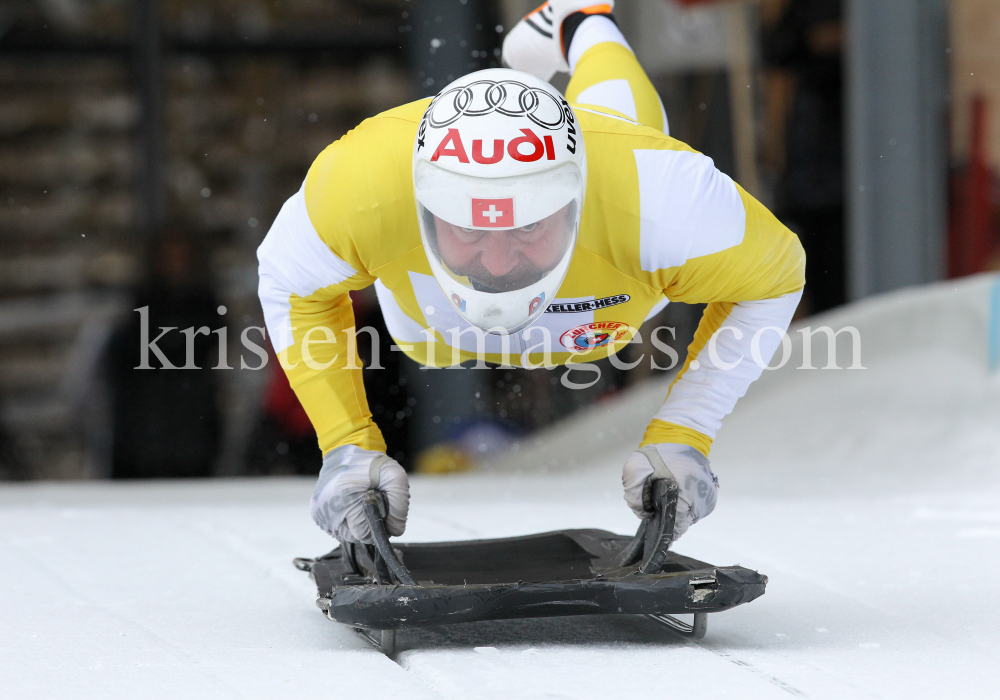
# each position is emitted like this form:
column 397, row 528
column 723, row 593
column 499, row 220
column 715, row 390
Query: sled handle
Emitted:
column 655, row 534
column 373, row 503
column 660, row 530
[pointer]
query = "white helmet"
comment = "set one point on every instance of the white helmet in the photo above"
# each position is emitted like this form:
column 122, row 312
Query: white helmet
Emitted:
column 499, row 175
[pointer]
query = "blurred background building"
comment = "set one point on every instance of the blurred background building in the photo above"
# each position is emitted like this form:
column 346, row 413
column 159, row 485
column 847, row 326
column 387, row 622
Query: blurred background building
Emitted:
column 146, row 145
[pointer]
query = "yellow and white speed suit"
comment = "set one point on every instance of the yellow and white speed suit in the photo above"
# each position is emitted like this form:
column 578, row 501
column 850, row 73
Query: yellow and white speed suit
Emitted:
column 659, row 223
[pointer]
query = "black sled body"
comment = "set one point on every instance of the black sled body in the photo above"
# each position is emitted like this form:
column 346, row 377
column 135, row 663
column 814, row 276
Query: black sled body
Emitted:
column 385, row 587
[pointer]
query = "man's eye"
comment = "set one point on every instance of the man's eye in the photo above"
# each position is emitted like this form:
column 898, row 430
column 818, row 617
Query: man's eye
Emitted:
column 468, row 235
column 529, row 228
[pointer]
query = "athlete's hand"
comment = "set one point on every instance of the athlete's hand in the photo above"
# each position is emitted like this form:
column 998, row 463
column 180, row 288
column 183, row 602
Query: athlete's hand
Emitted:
column 697, row 485
column 348, row 472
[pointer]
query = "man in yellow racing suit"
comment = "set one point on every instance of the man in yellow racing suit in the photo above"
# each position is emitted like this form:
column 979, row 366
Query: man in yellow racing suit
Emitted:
column 659, row 223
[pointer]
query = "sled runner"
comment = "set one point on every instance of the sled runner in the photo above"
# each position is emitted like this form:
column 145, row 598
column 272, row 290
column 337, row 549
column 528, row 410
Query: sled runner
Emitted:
column 380, row 588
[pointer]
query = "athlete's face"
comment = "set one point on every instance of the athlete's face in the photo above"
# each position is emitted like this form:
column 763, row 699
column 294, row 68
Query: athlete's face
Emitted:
column 505, row 260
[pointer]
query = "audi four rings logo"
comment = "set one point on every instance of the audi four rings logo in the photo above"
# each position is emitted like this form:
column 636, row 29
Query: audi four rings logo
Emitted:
column 508, row 97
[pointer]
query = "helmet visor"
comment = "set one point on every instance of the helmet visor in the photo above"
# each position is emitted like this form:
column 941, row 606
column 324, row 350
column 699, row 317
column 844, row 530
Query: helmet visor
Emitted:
column 499, row 260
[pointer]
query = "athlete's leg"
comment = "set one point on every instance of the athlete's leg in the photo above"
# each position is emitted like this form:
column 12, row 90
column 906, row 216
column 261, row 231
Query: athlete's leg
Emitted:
column 535, row 44
column 606, row 73
column 580, row 36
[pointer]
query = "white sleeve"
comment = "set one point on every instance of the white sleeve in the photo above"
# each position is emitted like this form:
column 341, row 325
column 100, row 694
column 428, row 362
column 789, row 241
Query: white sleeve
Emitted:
column 729, row 363
column 294, row 260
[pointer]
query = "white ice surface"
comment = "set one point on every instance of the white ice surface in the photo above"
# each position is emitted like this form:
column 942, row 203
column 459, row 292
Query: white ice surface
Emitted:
column 871, row 499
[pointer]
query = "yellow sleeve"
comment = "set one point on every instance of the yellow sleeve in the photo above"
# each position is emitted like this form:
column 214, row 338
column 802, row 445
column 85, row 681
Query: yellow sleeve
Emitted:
column 324, row 371
column 327, row 240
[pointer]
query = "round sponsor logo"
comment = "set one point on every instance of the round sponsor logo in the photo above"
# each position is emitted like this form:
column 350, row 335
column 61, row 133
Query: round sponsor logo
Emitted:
column 535, row 303
column 458, row 301
column 594, row 335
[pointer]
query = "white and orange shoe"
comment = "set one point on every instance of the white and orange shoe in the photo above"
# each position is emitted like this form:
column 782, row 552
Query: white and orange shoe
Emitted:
column 535, row 44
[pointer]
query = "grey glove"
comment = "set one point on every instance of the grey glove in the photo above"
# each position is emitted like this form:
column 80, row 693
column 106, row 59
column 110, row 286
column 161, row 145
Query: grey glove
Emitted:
column 348, row 472
column 697, row 485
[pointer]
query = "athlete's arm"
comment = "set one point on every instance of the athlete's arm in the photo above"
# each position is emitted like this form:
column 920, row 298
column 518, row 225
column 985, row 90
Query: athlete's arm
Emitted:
column 351, row 217
column 304, row 290
column 750, row 271
column 705, row 240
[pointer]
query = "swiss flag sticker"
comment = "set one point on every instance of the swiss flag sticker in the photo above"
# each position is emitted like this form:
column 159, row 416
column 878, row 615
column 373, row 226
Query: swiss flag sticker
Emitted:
column 493, row 213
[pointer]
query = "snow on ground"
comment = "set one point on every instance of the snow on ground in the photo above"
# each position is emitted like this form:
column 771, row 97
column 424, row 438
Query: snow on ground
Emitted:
column 870, row 498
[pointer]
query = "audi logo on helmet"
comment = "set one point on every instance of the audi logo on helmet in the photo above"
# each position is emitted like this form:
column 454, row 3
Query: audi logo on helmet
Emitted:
column 507, row 97
column 452, row 145
column 544, row 108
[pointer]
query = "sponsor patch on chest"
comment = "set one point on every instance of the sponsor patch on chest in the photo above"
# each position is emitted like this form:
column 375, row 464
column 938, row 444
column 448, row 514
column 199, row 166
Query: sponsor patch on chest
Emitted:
column 594, row 335
column 582, row 306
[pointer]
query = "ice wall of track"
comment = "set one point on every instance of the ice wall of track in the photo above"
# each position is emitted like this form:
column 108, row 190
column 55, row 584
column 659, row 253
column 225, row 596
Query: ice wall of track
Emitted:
column 926, row 404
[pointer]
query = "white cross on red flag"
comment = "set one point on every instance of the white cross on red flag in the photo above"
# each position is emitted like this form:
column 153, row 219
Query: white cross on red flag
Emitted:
column 493, row 213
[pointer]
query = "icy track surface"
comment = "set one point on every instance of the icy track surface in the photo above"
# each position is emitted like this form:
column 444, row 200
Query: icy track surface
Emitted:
column 870, row 498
